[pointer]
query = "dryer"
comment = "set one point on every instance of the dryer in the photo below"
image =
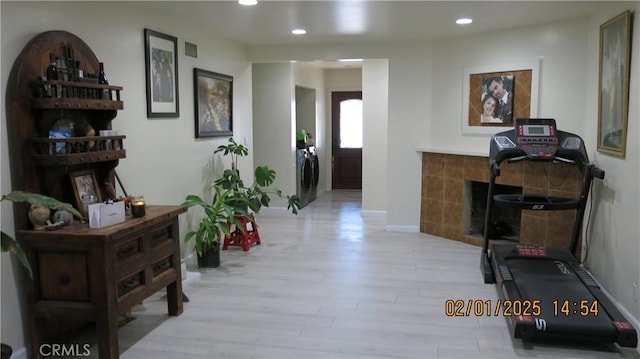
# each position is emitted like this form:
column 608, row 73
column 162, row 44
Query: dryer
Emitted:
column 304, row 175
column 315, row 176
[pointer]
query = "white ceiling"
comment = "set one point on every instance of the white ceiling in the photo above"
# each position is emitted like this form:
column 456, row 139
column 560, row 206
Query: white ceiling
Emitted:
column 270, row 22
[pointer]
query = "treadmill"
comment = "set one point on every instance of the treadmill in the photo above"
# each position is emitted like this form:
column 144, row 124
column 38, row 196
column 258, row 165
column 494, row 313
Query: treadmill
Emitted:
column 545, row 293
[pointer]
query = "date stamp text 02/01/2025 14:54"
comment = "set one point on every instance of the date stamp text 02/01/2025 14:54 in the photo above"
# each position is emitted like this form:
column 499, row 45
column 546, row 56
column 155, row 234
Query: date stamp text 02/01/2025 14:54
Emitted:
column 507, row 308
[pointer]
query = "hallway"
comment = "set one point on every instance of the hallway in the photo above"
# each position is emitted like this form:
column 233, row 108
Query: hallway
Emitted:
column 329, row 283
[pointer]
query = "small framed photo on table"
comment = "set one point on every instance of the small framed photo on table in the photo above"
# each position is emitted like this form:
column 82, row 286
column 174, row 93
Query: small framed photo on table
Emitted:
column 86, row 190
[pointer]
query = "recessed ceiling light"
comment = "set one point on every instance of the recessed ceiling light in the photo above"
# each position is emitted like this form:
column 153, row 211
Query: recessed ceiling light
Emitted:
column 464, row 21
column 298, row 31
column 247, row 2
column 350, row 60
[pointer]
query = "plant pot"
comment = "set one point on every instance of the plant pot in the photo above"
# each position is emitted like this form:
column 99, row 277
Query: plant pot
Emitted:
column 6, row 351
column 210, row 257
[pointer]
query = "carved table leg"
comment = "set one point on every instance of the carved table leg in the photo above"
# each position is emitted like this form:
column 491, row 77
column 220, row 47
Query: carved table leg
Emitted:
column 107, row 331
column 174, row 297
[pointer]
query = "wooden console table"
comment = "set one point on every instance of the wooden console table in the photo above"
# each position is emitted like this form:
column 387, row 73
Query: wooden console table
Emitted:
column 94, row 274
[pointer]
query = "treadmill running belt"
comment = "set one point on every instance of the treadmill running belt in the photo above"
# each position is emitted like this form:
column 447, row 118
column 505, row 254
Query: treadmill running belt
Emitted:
column 548, row 281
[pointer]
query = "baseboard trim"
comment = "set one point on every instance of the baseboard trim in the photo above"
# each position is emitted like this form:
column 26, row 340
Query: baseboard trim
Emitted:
column 192, row 277
column 403, row 229
column 19, row 354
column 373, row 213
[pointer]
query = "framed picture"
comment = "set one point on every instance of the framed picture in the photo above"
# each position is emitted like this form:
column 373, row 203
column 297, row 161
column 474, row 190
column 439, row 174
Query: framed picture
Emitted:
column 86, row 190
column 495, row 95
column 613, row 88
column 161, row 74
column 213, row 103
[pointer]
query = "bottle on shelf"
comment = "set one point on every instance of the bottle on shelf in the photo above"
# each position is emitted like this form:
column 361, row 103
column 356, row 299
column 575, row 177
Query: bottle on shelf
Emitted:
column 63, row 73
column 102, row 80
column 52, row 70
column 79, row 72
column 53, row 74
column 71, row 61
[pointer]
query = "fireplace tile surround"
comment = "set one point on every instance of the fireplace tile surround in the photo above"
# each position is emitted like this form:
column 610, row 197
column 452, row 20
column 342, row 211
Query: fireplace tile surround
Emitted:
column 443, row 201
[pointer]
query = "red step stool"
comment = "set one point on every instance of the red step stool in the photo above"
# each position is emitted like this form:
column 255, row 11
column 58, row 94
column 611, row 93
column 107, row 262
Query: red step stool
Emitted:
column 240, row 238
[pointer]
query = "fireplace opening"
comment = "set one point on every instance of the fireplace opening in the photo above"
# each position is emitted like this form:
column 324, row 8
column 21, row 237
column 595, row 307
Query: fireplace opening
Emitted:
column 505, row 223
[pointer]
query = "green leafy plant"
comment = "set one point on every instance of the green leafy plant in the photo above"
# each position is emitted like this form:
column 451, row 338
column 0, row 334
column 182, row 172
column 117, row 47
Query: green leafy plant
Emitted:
column 259, row 193
column 233, row 200
column 8, row 243
column 219, row 216
column 36, row 199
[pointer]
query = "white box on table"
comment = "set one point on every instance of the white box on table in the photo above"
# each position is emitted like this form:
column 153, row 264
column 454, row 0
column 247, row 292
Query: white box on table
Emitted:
column 106, row 214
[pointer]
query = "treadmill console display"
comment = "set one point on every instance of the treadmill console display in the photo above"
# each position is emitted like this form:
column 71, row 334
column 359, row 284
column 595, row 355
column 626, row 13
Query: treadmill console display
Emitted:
column 537, row 137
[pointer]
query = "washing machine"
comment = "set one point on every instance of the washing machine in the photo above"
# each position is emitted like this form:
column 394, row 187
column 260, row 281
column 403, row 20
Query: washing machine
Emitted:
column 304, row 176
column 315, row 170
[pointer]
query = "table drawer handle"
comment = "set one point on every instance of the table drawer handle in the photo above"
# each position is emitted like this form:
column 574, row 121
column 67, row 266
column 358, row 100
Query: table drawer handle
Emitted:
column 131, row 283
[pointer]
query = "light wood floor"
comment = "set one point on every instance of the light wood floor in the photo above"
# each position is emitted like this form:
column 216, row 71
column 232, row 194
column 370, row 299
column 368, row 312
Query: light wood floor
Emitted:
column 329, row 283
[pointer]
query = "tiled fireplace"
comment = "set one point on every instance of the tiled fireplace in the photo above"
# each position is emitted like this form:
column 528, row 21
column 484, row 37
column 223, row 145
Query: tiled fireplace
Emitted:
column 447, row 187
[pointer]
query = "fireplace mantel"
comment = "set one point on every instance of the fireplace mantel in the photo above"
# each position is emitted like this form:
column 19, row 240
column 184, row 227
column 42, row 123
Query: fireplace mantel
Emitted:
column 452, row 152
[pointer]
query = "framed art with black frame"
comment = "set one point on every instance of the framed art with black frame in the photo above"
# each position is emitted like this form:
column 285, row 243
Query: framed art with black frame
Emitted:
column 613, row 88
column 161, row 74
column 213, row 104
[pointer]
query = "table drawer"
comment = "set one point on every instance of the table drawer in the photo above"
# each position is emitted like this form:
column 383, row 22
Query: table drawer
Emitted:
column 130, row 283
column 63, row 276
column 130, row 248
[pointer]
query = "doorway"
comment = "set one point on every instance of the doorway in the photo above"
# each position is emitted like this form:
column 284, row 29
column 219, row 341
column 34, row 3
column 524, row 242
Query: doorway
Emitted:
column 346, row 139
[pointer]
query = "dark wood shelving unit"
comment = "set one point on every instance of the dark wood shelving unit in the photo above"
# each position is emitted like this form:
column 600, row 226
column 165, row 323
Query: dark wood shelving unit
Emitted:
column 80, row 274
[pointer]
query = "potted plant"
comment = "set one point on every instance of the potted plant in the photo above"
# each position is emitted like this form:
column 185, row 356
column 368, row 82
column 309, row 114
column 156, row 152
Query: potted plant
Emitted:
column 218, row 215
column 232, row 200
column 258, row 194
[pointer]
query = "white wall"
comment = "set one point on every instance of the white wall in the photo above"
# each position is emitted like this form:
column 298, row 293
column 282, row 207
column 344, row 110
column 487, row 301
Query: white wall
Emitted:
column 306, row 110
column 410, row 105
column 274, row 123
column 562, row 48
column 375, row 92
column 164, row 162
column 615, row 245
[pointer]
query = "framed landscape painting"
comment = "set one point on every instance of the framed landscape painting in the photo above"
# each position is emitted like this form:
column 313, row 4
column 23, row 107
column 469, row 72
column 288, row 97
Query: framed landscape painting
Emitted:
column 613, row 88
column 213, row 104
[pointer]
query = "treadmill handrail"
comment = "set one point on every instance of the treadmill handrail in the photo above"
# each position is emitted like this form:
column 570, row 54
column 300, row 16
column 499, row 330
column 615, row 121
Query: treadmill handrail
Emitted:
column 565, row 160
column 517, row 159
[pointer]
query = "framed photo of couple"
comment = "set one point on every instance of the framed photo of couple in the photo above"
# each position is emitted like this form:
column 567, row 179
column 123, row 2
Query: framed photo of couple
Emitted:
column 613, row 89
column 495, row 95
